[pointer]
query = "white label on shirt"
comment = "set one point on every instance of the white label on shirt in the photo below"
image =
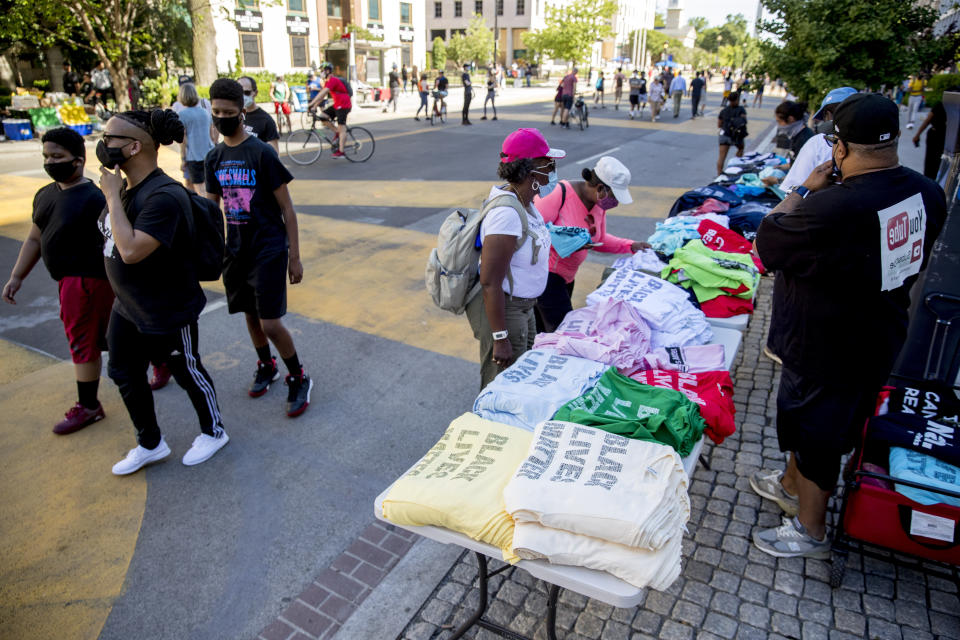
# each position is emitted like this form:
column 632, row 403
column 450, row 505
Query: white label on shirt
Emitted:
column 902, row 229
column 930, row 526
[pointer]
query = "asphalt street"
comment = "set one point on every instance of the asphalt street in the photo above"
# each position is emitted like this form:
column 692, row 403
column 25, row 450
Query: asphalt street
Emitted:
column 222, row 547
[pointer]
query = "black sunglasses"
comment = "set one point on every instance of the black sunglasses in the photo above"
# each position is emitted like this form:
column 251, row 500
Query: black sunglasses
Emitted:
column 107, row 137
column 248, row 92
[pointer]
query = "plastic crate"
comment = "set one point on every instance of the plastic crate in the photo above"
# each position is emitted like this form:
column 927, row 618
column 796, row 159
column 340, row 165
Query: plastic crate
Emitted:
column 18, row 129
column 82, row 129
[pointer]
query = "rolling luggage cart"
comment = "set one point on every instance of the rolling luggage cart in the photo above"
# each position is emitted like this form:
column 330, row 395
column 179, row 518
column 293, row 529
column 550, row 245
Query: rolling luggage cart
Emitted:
column 874, row 518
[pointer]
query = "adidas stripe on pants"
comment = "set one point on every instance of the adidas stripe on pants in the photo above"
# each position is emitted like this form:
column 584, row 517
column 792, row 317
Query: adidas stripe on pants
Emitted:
column 130, row 355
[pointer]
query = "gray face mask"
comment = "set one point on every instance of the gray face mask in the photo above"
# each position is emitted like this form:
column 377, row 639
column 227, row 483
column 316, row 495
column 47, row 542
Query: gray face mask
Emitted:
column 247, row 102
column 824, row 127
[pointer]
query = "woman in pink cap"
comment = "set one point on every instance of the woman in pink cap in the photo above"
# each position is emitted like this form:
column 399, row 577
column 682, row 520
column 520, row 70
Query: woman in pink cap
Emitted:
column 582, row 203
column 514, row 244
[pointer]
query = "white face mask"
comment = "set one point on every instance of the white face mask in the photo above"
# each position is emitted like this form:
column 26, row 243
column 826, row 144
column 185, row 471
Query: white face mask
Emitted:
column 247, row 102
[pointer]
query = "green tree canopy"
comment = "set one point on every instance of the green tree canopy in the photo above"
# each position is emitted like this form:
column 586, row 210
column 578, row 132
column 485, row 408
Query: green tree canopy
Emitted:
column 439, row 53
column 822, row 44
column 699, row 23
column 732, row 32
column 478, row 41
column 571, row 29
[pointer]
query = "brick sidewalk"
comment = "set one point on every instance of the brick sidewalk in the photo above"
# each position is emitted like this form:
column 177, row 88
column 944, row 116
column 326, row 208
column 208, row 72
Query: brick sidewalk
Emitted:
column 728, row 589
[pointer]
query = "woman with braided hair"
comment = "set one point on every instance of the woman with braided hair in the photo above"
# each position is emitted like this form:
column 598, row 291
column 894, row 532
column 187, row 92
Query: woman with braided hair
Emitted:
column 148, row 257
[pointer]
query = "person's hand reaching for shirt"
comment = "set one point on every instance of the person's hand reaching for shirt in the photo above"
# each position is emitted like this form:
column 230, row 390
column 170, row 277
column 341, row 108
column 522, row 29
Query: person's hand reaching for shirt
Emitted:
column 639, row 246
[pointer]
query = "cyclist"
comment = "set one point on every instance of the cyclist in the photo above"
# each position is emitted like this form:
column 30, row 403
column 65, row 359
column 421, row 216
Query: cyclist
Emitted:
column 440, row 91
column 337, row 90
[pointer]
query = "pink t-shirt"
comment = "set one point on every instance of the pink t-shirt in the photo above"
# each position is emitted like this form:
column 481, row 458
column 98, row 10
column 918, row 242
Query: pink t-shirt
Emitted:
column 574, row 214
column 568, row 83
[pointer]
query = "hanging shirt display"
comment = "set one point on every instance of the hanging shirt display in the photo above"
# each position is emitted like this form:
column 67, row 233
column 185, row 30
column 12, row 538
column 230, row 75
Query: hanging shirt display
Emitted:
column 674, row 321
column 535, row 386
column 459, row 483
column 611, row 332
column 626, row 407
column 712, row 391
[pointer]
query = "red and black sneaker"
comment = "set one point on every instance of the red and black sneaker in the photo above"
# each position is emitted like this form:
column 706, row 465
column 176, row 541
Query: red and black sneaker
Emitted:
column 161, row 376
column 266, row 373
column 77, row 418
column 298, row 394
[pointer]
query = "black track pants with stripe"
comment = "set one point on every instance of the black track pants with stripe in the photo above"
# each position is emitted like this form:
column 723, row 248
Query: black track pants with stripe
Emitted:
column 131, row 353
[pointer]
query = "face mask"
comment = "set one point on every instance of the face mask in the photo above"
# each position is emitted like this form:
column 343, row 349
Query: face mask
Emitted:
column 60, row 171
column 111, row 157
column 825, row 127
column 608, row 202
column 545, row 189
column 247, row 102
column 227, row 126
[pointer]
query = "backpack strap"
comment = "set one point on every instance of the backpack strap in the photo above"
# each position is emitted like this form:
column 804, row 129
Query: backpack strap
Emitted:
column 510, row 200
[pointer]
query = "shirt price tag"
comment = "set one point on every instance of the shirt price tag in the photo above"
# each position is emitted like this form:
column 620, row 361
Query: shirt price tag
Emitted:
column 931, row 526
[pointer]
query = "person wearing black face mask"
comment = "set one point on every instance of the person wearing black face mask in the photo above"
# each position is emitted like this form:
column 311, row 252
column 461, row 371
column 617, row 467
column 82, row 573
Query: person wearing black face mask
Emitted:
column 64, row 233
column 148, row 254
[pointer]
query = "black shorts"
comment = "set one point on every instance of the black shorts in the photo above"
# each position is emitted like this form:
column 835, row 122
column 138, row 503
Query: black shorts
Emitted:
column 194, row 172
column 820, row 422
column 567, row 102
column 340, row 115
column 635, row 99
column 257, row 286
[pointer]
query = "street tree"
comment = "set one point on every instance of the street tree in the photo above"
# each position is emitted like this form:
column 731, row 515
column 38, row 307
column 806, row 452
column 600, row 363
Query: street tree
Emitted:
column 699, row 23
column 439, row 56
column 478, row 41
column 571, row 29
column 821, row 44
column 457, row 49
column 731, row 32
column 204, row 42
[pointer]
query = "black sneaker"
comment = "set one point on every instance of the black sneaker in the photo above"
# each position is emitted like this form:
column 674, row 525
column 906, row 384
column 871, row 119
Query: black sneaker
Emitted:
column 266, row 373
column 298, row 394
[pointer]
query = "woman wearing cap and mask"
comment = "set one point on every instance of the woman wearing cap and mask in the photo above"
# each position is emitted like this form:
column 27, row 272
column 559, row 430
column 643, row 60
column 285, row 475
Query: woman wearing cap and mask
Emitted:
column 513, row 264
column 582, row 203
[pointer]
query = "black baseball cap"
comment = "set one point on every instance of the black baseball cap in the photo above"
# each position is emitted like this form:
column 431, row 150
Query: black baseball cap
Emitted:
column 867, row 118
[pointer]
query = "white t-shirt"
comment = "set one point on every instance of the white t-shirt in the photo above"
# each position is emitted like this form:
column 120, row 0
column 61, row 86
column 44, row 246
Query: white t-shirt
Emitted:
column 529, row 279
column 813, row 153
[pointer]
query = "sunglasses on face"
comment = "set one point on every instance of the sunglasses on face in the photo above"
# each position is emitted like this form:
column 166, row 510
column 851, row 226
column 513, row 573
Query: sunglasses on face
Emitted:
column 107, row 137
column 831, row 138
column 248, row 92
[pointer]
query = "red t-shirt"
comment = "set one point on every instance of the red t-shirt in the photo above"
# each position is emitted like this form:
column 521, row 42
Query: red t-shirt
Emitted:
column 726, row 307
column 719, row 238
column 712, row 391
column 341, row 99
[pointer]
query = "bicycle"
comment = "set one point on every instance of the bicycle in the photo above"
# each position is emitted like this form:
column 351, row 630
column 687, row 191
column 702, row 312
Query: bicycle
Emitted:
column 306, row 145
column 580, row 112
column 439, row 112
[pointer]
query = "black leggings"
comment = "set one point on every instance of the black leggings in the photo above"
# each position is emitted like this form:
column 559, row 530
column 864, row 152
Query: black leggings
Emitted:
column 467, row 97
column 131, row 352
column 553, row 304
column 489, row 98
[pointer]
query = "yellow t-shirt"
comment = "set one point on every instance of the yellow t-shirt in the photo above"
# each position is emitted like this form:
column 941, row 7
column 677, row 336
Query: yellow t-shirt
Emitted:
column 916, row 87
column 459, row 483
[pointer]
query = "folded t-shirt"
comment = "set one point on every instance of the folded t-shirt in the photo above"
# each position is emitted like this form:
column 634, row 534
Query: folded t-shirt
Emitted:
column 459, row 483
column 712, row 391
column 694, row 359
column 918, row 467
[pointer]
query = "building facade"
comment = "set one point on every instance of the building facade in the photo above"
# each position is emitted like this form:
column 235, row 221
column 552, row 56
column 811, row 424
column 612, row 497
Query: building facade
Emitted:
column 279, row 37
column 509, row 19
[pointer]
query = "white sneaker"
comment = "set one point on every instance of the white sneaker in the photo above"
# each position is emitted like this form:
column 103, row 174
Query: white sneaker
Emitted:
column 909, row 125
column 203, row 447
column 138, row 457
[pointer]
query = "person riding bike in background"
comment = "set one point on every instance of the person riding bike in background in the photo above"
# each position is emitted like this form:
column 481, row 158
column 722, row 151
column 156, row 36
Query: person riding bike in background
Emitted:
column 337, row 90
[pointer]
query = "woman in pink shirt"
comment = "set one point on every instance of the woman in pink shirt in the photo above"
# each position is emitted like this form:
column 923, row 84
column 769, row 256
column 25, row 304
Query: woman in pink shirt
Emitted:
column 582, row 203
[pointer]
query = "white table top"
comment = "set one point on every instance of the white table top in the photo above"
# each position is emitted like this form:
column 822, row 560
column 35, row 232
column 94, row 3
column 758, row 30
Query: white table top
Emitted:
column 599, row 585
column 738, row 322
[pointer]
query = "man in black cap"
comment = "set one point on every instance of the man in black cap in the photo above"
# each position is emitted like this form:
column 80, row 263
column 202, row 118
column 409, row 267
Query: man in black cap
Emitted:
column 846, row 246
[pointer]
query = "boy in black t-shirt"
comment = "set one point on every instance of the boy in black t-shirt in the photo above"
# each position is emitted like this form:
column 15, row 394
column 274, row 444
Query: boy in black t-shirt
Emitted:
column 148, row 253
column 732, row 121
column 263, row 244
column 256, row 121
column 64, row 233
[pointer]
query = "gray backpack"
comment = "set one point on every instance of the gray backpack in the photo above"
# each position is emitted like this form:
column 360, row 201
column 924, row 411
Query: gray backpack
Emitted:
column 452, row 274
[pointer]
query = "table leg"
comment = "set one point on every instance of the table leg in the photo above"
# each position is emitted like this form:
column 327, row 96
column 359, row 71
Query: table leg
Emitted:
column 482, row 606
column 552, row 612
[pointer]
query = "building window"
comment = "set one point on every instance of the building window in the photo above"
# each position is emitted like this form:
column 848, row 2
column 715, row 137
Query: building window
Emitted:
column 296, row 6
column 298, row 51
column 373, row 8
column 521, row 7
column 437, row 9
column 406, row 55
column 333, row 9
column 458, row 9
column 248, row 4
column 499, row 7
column 478, row 7
column 405, row 13
column 438, row 33
column 251, row 49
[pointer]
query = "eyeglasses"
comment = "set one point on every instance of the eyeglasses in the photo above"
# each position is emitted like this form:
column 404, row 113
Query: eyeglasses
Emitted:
column 831, row 138
column 107, row 137
column 248, row 92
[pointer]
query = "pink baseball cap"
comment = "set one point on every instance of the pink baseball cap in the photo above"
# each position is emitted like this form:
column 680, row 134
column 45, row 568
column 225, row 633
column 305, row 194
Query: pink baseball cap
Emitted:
column 527, row 143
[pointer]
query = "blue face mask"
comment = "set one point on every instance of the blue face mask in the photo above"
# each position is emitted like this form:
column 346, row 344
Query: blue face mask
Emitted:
column 545, row 189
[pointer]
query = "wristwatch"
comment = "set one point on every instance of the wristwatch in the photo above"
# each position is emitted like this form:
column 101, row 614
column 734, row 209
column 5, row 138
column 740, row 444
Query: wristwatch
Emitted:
column 500, row 335
column 801, row 191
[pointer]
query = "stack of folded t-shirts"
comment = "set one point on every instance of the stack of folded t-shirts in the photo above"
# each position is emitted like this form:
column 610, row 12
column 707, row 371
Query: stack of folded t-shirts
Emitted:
column 673, row 320
column 914, row 466
column 459, row 483
column 645, row 260
column 696, row 197
column 588, row 498
column 621, row 405
column 611, row 332
column 673, row 233
column 692, row 359
column 711, row 274
column 712, row 391
column 535, row 386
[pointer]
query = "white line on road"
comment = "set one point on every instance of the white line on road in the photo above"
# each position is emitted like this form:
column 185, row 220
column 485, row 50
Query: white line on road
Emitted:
column 598, row 155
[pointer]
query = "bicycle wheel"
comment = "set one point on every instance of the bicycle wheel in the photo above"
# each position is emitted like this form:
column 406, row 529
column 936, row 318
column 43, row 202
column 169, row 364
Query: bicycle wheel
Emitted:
column 304, row 146
column 306, row 120
column 359, row 145
column 443, row 112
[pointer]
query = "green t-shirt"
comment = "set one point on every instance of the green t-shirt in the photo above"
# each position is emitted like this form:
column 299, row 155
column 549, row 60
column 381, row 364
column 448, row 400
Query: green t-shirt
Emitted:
column 621, row 405
column 279, row 91
column 710, row 271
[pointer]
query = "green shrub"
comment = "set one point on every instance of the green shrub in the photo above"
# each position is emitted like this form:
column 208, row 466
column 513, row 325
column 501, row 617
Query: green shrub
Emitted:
column 41, row 83
column 938, row 84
